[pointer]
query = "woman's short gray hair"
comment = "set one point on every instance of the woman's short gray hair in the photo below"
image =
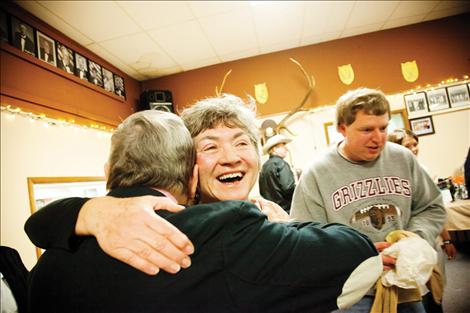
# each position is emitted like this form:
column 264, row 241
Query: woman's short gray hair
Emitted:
column 227, row 110
column 371, row 101
column 151, row 148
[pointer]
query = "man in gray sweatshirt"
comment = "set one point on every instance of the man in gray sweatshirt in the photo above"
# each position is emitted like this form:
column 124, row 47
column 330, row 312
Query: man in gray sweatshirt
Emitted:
column 368, row 183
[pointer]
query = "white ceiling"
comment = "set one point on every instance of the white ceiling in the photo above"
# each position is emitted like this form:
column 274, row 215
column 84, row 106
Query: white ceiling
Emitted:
column 149, row 39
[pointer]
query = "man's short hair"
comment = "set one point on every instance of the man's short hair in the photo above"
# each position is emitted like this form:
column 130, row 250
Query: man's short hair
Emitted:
column 227, row 110
column 370, row 101
column 152, row 148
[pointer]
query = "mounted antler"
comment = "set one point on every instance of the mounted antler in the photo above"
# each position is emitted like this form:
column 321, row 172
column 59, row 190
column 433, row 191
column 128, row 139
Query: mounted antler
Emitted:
column 311, row 85
column 218, row 92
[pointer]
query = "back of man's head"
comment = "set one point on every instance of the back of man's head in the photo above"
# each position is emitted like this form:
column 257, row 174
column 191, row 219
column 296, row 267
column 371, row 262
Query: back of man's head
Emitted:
column 370, row 101
column 151, row 148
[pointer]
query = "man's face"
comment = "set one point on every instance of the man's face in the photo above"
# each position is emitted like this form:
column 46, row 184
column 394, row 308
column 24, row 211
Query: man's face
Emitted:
column 366, row 137
column 228, row 164
column 281, row 150
column 22, row 29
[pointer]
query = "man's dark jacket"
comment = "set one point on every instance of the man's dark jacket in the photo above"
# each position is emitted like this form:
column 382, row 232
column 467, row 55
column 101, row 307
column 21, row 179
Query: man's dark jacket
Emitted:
column 242, row 263
column 276, row 182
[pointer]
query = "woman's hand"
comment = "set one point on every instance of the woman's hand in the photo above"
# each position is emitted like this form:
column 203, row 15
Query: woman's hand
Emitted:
column 272, row 210
column 129, row 230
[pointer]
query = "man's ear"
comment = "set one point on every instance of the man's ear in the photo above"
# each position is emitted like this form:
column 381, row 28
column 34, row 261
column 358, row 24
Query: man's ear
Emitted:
column 193, row 182
column 106, row 170
column 341, row 128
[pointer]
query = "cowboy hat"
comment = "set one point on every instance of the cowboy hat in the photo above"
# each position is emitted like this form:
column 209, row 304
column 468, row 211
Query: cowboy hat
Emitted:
column 275, row 140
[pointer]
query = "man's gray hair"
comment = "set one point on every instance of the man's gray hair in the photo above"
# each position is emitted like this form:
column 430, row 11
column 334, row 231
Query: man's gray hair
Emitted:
column 154, row 149
column 371, row 101
column 227, row 110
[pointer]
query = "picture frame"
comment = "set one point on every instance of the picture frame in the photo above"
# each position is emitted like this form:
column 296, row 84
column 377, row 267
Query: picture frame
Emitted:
column 398, row 119
column 459, row 95
column 331, row 133
column 94, row 73
column 65, row 58
column 43, row 190
column 119, row 88
column 4, row 31
column 46, row 48
column 416, row 103
column 22, row 36
column 422, row 126
column 108, row 80
column 437, row 99
column 81, row 66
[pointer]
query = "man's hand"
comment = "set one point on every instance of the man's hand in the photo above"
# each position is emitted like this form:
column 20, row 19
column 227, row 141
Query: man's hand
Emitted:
column 388, row 261
column 129, row 230
column 272, row 210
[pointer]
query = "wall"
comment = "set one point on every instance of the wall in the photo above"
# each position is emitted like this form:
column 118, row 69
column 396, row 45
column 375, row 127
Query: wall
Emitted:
column 30, row 149
column 28, row 82
column 441, row 49
column 443, row 152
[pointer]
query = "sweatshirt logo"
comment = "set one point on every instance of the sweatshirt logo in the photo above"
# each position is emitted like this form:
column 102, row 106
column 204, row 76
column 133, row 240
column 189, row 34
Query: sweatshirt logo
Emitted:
column 368, row 188
column 377, row 216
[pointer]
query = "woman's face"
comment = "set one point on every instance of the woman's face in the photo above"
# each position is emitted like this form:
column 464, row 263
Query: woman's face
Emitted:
column 411, row 144
column 228, row 164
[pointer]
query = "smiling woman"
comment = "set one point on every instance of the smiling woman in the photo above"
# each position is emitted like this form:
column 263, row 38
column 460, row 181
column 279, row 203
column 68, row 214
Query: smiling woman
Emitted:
column 226, row 138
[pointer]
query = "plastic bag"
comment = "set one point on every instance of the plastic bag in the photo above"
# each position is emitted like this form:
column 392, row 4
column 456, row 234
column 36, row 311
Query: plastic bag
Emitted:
column 415, row 260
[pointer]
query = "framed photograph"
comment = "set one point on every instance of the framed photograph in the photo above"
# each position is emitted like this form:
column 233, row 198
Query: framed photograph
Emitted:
column 94, row 74
column 422, row 126
column 416, row 103
column 119, row 86
column 458, row 95
column 43, row 190
column 81, row 66
column 3, row 26
column 331, row 134
column 22, row 36
column 65, row 59
column 108, row 80
column 437, row 99
column 46, row 48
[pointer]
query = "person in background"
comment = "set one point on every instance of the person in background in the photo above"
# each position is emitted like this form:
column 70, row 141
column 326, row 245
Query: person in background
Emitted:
column 410, row 140
column 287, row 270
column 276, row 180
column 466, row 170
column 368, row 184
column 226, row 140
column 13, row 277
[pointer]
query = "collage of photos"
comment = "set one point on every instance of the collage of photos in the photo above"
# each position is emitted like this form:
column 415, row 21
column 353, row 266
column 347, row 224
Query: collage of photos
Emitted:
column 34, row 42
column 437, row 99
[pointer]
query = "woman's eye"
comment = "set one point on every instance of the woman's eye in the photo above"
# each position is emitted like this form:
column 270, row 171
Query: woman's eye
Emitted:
column 209, row 148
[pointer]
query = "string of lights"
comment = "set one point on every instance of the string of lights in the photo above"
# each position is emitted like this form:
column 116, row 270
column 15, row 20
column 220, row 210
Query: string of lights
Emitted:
column 48, row 121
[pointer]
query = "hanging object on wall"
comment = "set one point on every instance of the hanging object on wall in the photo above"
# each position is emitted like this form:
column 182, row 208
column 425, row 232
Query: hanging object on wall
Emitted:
column 261, row 93
column 310, row 85
column 409, row 70
column 346, row 74
column 218, row 92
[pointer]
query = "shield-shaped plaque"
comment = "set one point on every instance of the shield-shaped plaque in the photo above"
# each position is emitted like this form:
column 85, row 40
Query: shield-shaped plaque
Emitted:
column 346, row 74
column 261, row 93
column 409, row 70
